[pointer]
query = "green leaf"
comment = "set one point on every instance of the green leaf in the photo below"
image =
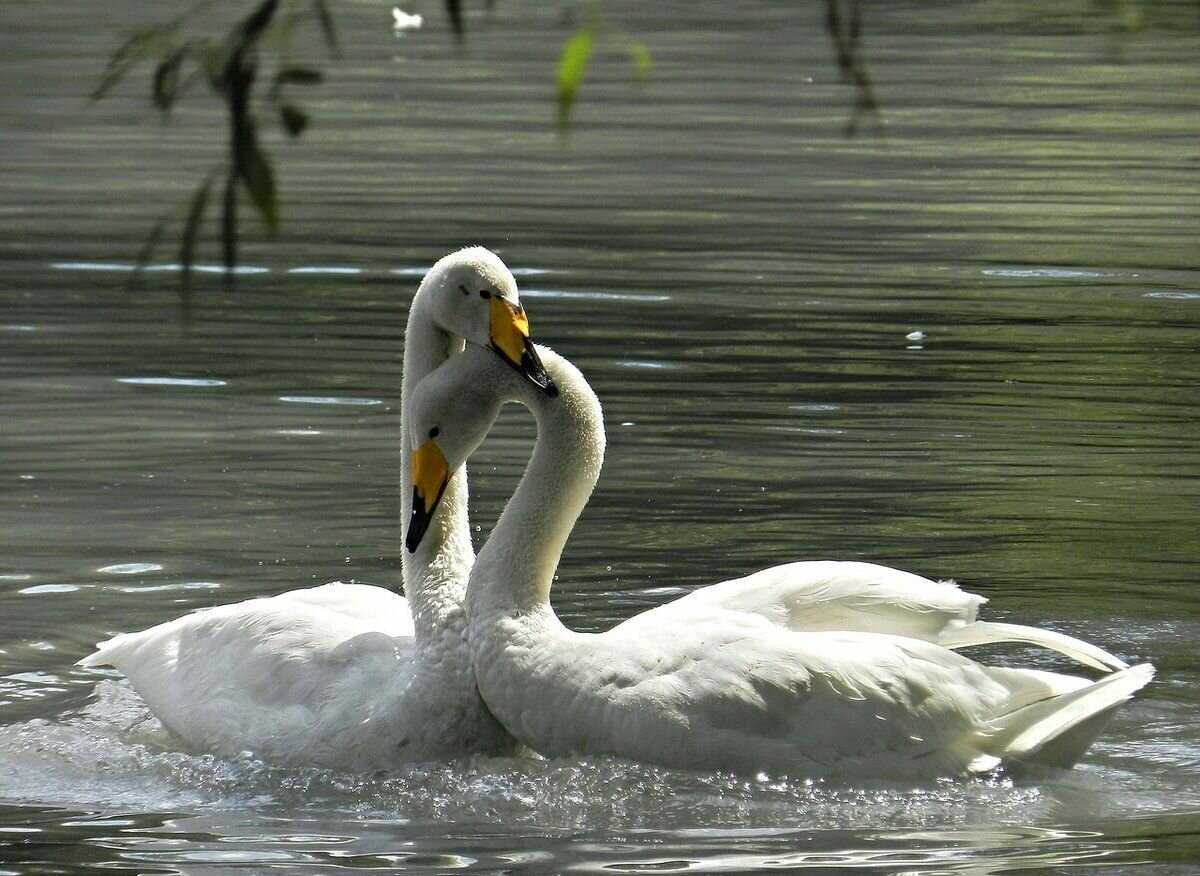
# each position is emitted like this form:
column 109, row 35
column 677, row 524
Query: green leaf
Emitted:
column 166, row 78
column 572, row 65
column 640, row 55
column 191, row 226
column 142, row 43
column 255, row 171
column 294, row 119
column 299, row 76
column 327, row 26
column 256, row 22
column 229, row 224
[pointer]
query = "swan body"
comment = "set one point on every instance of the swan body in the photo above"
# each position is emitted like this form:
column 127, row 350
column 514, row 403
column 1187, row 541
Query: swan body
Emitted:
column 348, row 675
column 813, row 669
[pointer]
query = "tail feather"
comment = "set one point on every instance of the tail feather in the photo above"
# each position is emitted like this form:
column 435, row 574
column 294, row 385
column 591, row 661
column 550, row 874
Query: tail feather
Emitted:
column 984, row 633
column 1056, row 731
column 110, row 652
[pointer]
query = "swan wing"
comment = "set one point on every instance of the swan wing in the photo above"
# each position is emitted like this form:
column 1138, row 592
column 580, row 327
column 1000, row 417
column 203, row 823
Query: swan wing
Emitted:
column 863, row 597
column 744, row 694
column 375, row 608
column 282, row 676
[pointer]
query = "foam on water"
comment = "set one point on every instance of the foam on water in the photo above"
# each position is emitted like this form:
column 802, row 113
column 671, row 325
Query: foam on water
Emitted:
column 115, row 753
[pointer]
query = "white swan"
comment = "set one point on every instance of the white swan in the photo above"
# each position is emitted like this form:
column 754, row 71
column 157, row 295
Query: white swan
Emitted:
column 813, row 669
column 348, row 675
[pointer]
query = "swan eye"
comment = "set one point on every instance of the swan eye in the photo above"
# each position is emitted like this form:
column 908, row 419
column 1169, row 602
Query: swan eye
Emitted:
column 484, row 293
column 434, row 432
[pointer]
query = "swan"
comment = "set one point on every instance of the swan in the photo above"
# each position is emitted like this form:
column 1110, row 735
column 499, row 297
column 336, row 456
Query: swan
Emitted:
column 821, row 669
column 349, row 675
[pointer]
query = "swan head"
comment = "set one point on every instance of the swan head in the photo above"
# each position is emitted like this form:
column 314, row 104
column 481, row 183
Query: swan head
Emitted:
column 472, row 295
column 453, row 409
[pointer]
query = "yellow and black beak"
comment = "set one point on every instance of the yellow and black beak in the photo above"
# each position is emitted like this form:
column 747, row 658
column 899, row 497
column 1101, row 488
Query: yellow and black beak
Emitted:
column 510, row 338
column 430, row 474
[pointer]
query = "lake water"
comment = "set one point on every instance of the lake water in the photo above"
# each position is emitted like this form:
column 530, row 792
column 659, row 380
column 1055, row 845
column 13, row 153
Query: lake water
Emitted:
column 740, row 282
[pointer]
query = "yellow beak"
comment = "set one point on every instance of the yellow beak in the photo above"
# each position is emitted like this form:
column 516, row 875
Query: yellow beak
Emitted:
column 430, row 474
column 509, row 334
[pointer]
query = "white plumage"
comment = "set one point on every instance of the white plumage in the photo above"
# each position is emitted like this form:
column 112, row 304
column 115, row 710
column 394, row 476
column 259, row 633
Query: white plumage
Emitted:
column 344, row 675
column 813, row 669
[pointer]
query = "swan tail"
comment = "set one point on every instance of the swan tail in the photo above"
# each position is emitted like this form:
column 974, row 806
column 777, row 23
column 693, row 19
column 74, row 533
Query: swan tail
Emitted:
column 1056, row 731
column 984, row 633
column 112, row 652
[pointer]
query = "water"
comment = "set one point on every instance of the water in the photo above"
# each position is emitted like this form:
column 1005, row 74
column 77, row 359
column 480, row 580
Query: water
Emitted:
column 966, row 347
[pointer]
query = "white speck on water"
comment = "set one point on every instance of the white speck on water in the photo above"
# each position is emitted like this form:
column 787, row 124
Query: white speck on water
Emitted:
column 16, row 576
column 49, row 588
column 239, row 270
column 815, row 408
column 130, row 568
column 172, row 381
column 329, row 400
column 403, row 21
column 325, row 269
column 172, row 267
column 1174, row 296
column 593, row 296
column 629, row 423
column 297, row 431
column 156, row 588
column 1047, row 273
column 915, row 336
column 644, row 363
column 90, row 266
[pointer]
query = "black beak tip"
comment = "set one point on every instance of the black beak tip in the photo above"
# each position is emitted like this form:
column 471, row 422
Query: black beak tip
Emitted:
column 417, row 524
column 530, row 367
column 535, row 371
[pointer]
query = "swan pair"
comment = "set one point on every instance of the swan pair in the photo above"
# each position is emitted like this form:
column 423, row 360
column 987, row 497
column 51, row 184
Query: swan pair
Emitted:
column 813, row 669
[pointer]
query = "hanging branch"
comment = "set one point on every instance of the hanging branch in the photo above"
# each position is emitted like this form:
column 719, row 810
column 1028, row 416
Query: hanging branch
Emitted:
column 846, row 38
column 231, row 66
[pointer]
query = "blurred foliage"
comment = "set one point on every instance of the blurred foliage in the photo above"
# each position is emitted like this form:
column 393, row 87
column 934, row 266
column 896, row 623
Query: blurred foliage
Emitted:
column 232, row 67
column 843, row 24
column 577, row 53
column 233, row 64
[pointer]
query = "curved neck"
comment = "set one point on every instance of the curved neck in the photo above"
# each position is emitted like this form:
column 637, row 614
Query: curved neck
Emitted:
column 516, row 566
column 435, row 576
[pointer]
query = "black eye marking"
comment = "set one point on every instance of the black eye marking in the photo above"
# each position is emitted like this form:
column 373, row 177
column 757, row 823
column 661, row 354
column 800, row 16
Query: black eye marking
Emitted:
column 465, row 290
column 434, row 432
column 484, row 293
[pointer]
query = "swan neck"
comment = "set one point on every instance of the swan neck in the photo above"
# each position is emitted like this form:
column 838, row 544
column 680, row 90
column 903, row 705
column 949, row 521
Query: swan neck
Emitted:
column 435, row 576
column 515, row 569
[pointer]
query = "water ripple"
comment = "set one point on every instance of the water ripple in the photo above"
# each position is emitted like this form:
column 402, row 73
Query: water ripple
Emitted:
column 1174, row 296
column 130, row 568
column 329, row 400
column 172, row 381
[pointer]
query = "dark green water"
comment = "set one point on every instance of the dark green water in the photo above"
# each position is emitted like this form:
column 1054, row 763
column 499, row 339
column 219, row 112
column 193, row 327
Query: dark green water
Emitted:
column 738, row 281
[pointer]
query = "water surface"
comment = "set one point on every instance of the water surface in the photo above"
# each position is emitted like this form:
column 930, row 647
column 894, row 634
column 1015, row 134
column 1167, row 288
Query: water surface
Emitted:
column 965, row 347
